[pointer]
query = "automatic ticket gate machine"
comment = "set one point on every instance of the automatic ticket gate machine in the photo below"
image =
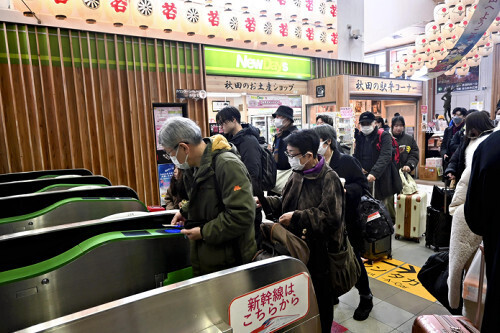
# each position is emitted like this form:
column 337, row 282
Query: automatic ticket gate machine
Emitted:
column 49, row 184
column 39, row 210
column 55, row 271
column 13, row 177
column 265, row 296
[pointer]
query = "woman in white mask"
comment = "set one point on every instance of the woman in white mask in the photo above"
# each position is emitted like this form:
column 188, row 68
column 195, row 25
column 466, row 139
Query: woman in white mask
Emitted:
column 497, row 117
column 311, row 207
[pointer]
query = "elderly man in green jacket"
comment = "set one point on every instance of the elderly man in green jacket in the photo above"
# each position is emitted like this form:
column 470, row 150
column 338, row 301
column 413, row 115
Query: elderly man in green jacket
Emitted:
column 218, row 218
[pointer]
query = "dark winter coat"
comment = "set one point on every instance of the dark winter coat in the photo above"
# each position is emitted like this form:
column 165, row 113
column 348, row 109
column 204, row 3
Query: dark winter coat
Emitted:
column 221, row 201
column 279, row 148
column 456, row 166
column 247, row 143
column 446, row 148
column 408, row 151
column 482, row 218
column 348, row 167
column 378, row 163
column 317, row 203
column 175, row 194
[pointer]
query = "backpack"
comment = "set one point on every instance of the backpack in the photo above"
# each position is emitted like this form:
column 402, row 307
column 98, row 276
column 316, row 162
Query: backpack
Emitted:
column 374, row 219
column 395, row 146
column 269, row 169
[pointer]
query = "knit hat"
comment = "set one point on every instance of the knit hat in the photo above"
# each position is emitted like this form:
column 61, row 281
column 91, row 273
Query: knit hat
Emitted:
column 284, row 111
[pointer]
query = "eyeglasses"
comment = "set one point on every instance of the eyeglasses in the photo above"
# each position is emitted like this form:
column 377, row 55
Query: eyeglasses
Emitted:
column 168, row 156
column 290, row 155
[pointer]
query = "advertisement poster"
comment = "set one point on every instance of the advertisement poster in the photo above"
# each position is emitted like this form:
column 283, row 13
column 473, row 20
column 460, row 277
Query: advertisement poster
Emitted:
column 161, row 114
column 165, row 173
column 459, row 83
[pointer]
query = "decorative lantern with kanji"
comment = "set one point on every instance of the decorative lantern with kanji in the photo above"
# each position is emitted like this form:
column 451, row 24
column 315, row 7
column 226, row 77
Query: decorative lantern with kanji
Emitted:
column 117, row 11
column 211, row 20
column 190, row 17
column 167, row 17
column 61, row 8
column 333, row 39
column 308, row 33
column 248, row 27
column 230, row 24
column 281, row 31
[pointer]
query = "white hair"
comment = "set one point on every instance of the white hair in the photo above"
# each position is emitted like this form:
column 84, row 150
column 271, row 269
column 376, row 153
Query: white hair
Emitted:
column 179, row 129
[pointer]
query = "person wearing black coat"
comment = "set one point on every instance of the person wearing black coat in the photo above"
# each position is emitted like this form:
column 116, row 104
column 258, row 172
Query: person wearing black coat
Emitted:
column 246, row 140
column 458, row 122
column 408, row 148
column 283, row 120
column 377, row 163
column 482, row 218
column 348, row 167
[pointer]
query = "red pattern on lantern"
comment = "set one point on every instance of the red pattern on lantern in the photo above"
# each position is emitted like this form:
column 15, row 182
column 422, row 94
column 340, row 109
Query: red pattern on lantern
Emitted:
column 310, row 33
column 119, row 5
column 333, row 10
column 282, row 2
column 250, row 24
column 335, row 39
column 170, row 11
column 213, row 18
column 309, row 5
column 284, row 29
column 60, row 1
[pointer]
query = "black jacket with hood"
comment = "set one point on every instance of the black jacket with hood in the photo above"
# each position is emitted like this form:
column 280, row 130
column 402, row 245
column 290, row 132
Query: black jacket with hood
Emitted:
column 279, row 147
column 408, row 151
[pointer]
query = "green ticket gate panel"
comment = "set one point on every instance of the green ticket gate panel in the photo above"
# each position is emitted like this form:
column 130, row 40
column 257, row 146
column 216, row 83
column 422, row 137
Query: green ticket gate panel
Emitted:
column 69, row 211
column 12, row 177
column 265, row 296
column 31, row 247
column 39, row 185
column 100, row 269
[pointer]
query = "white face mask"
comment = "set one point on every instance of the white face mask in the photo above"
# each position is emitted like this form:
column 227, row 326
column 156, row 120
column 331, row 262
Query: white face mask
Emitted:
column 322, row 148
column 295, row 163
column 367, row 130
column 497, row 117
column 278, row 122
column 183, row 166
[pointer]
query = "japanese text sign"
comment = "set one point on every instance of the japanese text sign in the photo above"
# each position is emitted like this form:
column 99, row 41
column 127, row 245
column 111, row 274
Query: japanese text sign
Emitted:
column 346, row 112
column 232, row 84
column 376, row 86
column 272, row 307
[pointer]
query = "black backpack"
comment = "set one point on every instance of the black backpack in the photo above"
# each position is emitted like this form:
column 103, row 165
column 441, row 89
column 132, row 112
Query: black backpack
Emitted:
column 269, row 169
column 374, row 219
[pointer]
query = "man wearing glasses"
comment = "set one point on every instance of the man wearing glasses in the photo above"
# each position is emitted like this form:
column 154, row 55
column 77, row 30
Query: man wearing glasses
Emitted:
column 218, row 218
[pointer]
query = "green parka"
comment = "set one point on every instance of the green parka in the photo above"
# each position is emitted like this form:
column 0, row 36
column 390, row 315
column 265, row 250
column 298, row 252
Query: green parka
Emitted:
column 221, row 200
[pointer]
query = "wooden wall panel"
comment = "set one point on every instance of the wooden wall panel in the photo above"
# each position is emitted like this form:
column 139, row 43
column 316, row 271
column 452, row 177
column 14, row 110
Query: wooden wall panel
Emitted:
column 75, row 99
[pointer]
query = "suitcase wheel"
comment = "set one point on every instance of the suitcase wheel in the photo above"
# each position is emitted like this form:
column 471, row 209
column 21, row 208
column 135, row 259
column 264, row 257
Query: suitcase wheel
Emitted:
column 396, row 236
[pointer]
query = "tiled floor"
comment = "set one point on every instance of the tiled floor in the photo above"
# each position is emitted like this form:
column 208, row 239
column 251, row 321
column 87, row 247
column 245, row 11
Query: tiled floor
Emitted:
column 394, row 309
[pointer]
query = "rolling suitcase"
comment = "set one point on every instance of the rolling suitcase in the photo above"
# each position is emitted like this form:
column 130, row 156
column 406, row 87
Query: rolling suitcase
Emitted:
column 378, row 249
column 411, row 216
column 443, row 323
column 438, row 224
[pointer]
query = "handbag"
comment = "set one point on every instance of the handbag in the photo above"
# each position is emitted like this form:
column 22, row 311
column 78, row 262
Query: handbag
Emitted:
column 344, row 268
column 277, row 241
column 409, row 184
column 281, row 179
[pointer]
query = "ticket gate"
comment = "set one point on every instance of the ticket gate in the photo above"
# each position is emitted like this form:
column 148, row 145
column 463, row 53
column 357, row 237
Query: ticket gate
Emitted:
column 56, row 271
column 49, row 184
column 218, row 302
column 39, row 210
column 12, row 177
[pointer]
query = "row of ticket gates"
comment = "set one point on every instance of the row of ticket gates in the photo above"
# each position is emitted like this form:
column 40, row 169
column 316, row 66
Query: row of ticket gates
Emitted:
column 80, row 255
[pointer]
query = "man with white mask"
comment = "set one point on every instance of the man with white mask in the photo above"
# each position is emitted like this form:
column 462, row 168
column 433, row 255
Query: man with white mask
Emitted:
column 283, row 121
column 374, row 152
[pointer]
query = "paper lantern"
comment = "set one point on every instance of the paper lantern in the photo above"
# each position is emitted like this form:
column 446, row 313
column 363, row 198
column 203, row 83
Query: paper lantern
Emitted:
column 441, row 13
column 35, row 6
column 396, row 70
column 441, row 54
column 308, row 33
column 333, row 40
column 451, row 2
column 448, row 29
column 61, row 8
column 451, row 71
column 248, row 27
column 437, row 43
column 116, row 11
column 462, row 68
column 320, row 38
column 331, row 11
column 281, row 30
column 495, row 25
column 495, row 37
column 457, row 13
column 294, row 32
column 211, row 18
column 462, row 25
column 419, row 63
column 190, row 17
column 421, row 42
column 486, row 49
column 410, row 71
column 167, row 17
column 475, row 60
column 265, row 26
column 143, row 12
column 449, row 43
column 468, row 2
column 411, row 52
column 485, row 38
column 432, row 30
column 230, row 25
column 431, row 62
column 470, row 11
column 90, row 10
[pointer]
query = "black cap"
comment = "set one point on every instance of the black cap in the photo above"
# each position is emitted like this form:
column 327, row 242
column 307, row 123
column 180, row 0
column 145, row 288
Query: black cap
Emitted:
column 284, row 111
column 367, row 116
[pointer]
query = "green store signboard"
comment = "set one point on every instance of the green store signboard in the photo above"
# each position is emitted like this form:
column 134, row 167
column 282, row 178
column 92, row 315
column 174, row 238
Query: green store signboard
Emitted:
column 220, row 61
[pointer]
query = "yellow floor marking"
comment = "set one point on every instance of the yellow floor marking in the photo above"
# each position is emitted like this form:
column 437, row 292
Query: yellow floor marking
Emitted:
column 379, row 268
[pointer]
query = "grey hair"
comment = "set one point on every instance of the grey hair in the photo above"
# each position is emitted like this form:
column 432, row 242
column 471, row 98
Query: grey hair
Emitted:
column 179, row 129
column 327, row 132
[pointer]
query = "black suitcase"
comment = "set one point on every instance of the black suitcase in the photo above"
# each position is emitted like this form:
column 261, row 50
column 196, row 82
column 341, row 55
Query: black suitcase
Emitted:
column 438, row 229
column 378, row 249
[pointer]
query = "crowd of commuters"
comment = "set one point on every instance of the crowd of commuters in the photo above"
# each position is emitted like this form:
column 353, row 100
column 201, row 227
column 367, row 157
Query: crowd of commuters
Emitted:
column 319, row 188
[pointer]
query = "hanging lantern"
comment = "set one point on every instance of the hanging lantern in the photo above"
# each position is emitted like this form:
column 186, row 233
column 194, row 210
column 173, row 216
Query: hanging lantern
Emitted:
column 449, row 43
column 457, row 13
column 211, row 19
column 396, row 70
column 190, row 17
column 437, row 43
column 330, row 11
column 264, row 28
column 428, row 53
column 451, row 2
column 167, row 17
column 230, row 25
column 281, row 30
column 470, row 11
column 143, row 13
column 441, row 13
column 294, row 32
column 320, row 38
column 451, row 71
column 61, row 9
column 432, row 30
column 495, row 26
column 411, row 52
column 34, row 5
column 90, row 10
column 473, row 61
column 486, row 49
column 461, row 26
column 495, row 37
column 462, row 68
column 419, row 63
column 468, row 2
column 448, row 29
column 411, row 70
column 431, row 62
column 440, row 54
column 421, row 42
column 405, row 62
column 308, row 33
column 321, row 11
column 117, row 11
column 333, row 40
column 485, row 38
column 248, row 27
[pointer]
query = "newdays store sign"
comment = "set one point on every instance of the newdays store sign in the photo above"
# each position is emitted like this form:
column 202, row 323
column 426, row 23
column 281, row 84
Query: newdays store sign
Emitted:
column 220, row 61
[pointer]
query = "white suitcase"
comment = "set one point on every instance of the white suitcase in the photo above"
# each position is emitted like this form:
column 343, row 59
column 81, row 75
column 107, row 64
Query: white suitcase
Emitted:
column 411, row 213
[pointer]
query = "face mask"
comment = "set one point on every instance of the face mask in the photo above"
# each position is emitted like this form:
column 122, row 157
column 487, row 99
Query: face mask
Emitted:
column 457, row 120
column 322, row 148
column 367, row 130
column 183, row 166
column 295, row 163
column 278, row 123
column 497, row 117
